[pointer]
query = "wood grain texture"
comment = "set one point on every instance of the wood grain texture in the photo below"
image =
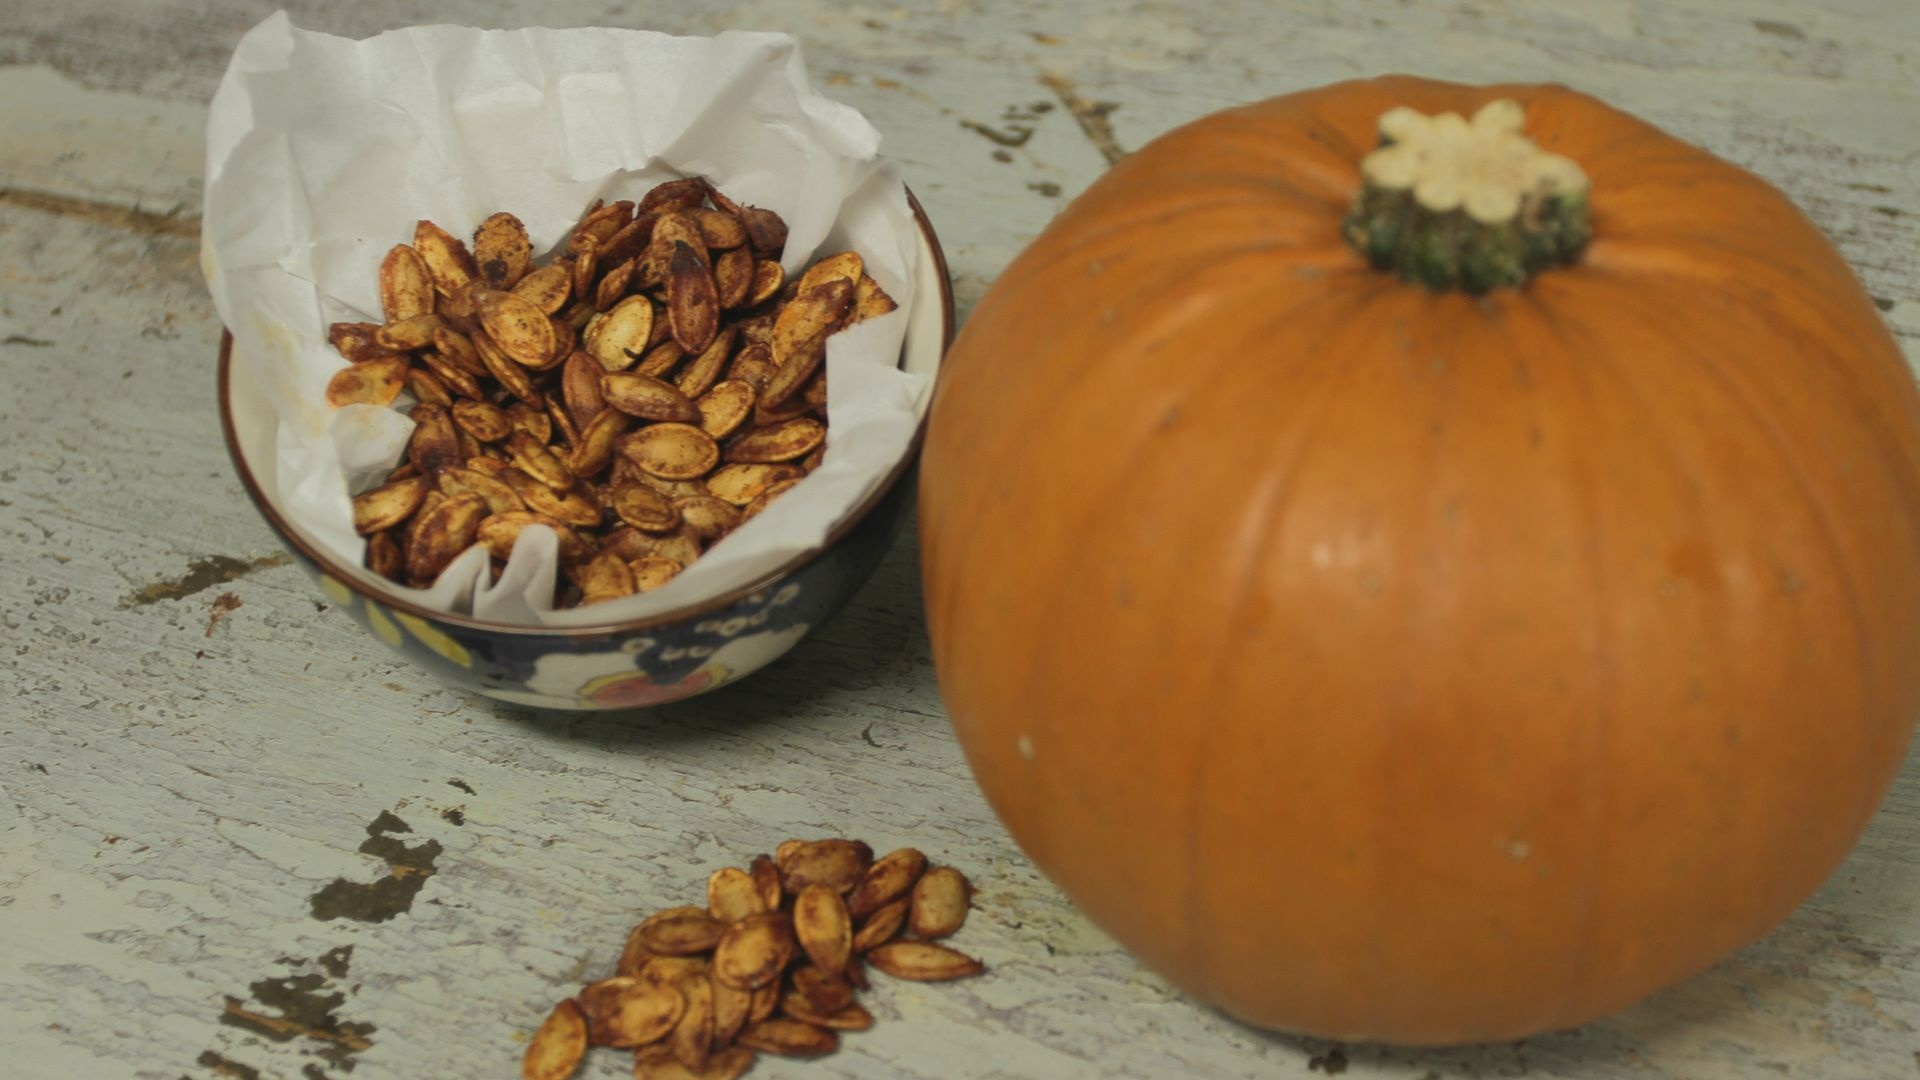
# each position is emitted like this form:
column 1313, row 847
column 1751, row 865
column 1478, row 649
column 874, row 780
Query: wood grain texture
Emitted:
column 197, row 749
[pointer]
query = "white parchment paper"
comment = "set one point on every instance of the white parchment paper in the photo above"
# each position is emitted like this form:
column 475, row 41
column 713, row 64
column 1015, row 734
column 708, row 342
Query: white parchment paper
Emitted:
column 322, row 153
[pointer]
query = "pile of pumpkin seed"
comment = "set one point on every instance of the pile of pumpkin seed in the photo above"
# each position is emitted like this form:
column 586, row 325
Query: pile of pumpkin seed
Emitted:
column 770, row 965
column 653, row 386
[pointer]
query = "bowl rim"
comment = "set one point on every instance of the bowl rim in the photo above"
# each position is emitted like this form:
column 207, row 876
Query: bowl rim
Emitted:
column 331, row 566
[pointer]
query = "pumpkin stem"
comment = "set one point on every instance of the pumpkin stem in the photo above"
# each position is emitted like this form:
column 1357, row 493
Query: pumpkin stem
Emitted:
column 1471, row 204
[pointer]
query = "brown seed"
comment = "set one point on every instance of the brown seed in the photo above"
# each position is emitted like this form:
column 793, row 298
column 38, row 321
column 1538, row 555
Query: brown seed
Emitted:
column 672, row 489
column 675, row 970
column 814, row 460
column 583, row 264
column 768, row 277
column 650, row 572
column 516, row 325
column 765, row 498
column 597, row 225
column 704, row 371
column 800, row 337
column 452, row 378
column 506, row 371
column 457, row 309
column 692, row 1038
column 889, row 878
column 732, row 895
column 499, row 532
column 565, row 341
column 407, row 335
column 753, row 365
column 500, row 497
column 789, row 1038
column 681, row 547
column 598, row 1000
column 731, row 1005
column 733, row 277
column 662, row 358
column 629, row 242
column 696, row 931
column 613, row 286
column 827, row 992
column 594, row 451
column 659, row 1063
column 580, row 387
column 548, row 288
column 835, row 863
column 370, row 382
column 643, row 1014
column 538, row 461
column 645, row 509
column 458, row 349
column 939, row 903
column 557, row 1047
column 849, row 1017
column 355, row 340
column 620, row 336
column 672, row 451
column 675, row 195
column 425, row 386
column 844, row 266
column 706, row 517
column 765, row 229
column 693, row 299
column 870, row 300
column 532, row 419
column 765, row 415
column 405, row 288
column 741, row 484
column 635, row 955
column 482, row 419
column 470, row 447
column 630, row 544
column 433, row 445
column 766, row 875
column 882, row 925
column 646, row 397
column 787, row 850
column 388, row 505
column 563, row 426
column 923, row 961
column 441, row 533
column 821, row 926
column 383, row 555
column 448, row 262
column 403, row 471
column 781, row 442
column 719, row 229
column 572, row 507
column 754, row 951
column 502, row 251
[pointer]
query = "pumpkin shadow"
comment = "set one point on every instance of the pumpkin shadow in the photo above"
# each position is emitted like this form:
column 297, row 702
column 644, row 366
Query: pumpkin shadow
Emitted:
column 875, row 640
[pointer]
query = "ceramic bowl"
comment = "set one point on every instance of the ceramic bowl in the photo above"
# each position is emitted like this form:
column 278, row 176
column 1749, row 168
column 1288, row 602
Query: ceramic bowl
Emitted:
column 649, row 661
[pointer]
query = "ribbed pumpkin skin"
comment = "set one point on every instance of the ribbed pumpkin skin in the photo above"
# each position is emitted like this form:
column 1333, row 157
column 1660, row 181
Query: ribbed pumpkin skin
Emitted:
column 1389, row 665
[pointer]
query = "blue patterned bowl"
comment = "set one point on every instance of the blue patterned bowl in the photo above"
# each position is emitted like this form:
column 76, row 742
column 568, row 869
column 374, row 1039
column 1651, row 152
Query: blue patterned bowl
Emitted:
column 640, row 662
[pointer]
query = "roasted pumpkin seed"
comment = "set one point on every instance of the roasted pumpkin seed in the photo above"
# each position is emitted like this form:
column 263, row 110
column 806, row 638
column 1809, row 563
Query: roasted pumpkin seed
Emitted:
column 693, row 299
column 779, row 442
column 822, row 927
column 939, row 903
column 647, row 398
column 741, row 484
column 442, row 533
column 370, row 382
column 548, row 288
column 448, row 262
column 922, row 961
column 502, row 251
column 406, row 335
column 732, row 895
column 889, row 878
column 556, row 1048
column 619, row 337
column 388, row 505
column 672, row 451
column 789, row 1038
column 835, row 863
column 754, row 951
column 405, row 288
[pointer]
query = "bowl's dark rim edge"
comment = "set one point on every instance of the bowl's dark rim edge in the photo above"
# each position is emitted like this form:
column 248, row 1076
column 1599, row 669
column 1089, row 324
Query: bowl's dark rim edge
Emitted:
column 666, row 618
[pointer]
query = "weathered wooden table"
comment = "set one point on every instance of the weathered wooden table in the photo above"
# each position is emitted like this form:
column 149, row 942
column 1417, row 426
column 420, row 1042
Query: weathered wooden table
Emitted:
column 240, row 839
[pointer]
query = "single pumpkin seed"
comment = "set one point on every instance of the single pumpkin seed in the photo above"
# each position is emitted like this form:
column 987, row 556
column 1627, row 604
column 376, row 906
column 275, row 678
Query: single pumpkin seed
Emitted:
column 594, row 451
column 370, row 382
column 447, row 259
column 482, row 419
column 741, row 484
column 754, row 951
column 409, row 334
column 827, row 992
column 789, row 1038
column 835, row 863
column 355, row 341
column 580, row 387
column 519, row 327
column 786, row 441
column 753, row 365
column 821, row 926
column 704, row 371
column 844, row 266
column 531, row 419
column 731, row 1005
column 849, row 1017
column 766, row 875
column 870, row 300
column 458, row 349
column 692, row 1037
column 800, row 333
column 500, row 531
column 693, row 299
column 644, row 508
column 891, row 877
column 434, row 444
column 505, row 370
column 680, row 547
column 923, row 961
column 643, row 1014
column 557, row 1045
column 662, row 358
column 620, row 335
column 732, row 895
column 647, row 398
column 672, row 451
column 501, row 251
column 442, row 533
column 606, row 577
column 388, row 505
column 455, row 378
column 733, row 277
column 548, row 288
column 384, row 556
column 939, row 903
column 680, row 194
column 768, row 278
column 406, row 289
column 499, row 497
column 765, row 230
column 696, row 931
column 706, row 517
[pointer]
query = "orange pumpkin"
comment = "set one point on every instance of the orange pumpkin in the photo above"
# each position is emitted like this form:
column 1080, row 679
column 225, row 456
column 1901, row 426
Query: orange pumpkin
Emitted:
column 1384, row 660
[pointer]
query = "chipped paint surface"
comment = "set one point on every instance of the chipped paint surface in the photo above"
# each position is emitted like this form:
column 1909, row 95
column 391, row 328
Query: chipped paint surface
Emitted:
column 384, row 876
